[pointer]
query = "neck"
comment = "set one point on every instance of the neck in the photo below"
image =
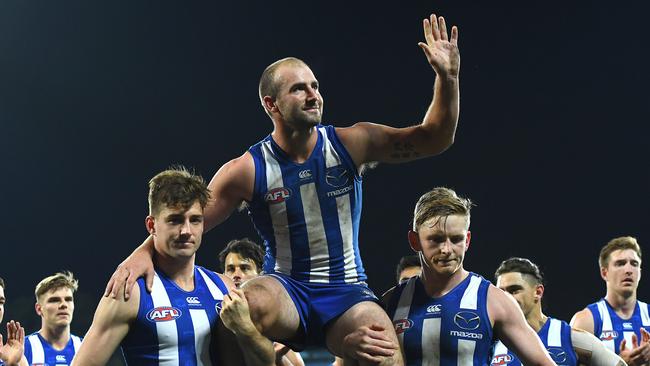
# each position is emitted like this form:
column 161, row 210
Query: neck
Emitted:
column 179, row 270
column 623, row 303
column 437, row 284
column 536, row 319
column 58, row 337
column 297, row 144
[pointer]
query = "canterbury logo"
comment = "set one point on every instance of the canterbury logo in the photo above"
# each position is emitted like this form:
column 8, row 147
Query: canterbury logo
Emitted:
column 192, row 300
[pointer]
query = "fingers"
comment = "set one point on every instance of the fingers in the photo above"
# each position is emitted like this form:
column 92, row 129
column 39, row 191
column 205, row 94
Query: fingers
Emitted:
column 118, row 279
column 148, row 279
column 635, row 342
column 454, row 35
column 645, row 336
column 623, row 344
column 443, row 29
column 428, row 35
column 434, row 27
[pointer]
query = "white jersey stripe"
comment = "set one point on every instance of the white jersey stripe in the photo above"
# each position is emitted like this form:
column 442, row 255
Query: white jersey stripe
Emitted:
column 554, row 334
column 331, row 157
column 167, row 333
column 628, row 339
column 278, row 212
column 607, row 324
column 38, row 354
column 345, row 223
column 318, row 252
column 466, row 349
column 645, row 318
column 404, row 306
column 500, row 349
column 76, row 343
column 202, row 336
column 431, row 342
column 470, row 296
column 212, row 287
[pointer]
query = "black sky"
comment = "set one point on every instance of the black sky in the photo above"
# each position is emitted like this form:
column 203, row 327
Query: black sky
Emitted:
column 96, row 98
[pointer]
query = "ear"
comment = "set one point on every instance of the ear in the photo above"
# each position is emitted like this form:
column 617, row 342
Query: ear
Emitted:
column 468, row 239
column 269, row 104
column 39, row 309
column 603, row 273
column 414, row 241
column 539, row 292
column 149, row 222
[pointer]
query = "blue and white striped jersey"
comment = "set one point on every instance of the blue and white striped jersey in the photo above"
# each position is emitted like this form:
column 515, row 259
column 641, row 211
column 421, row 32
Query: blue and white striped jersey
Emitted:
column 452, row 330
column 308, row 214
column 555, row 335
column 174, row 326
column 611, row 329
column 38, row 351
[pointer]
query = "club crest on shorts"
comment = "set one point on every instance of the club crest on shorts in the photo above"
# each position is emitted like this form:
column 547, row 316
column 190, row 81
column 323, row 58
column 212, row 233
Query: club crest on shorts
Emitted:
column 163, row 314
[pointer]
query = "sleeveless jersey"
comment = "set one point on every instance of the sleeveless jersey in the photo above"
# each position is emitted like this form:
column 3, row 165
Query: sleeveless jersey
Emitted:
column 555, row 335
column 611, row 329
column 38, row 351
column 452, row 330
column 308, row 214
column 174, row 326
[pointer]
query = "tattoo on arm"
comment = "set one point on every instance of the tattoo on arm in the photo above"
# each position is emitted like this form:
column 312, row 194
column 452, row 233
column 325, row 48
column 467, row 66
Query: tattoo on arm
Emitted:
column 404, row 150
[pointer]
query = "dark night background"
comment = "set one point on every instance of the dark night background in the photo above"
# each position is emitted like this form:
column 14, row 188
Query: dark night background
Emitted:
column 97, row 97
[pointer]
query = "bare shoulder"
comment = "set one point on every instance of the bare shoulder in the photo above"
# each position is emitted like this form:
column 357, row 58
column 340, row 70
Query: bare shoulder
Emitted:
column 500, row 305
column 583, row 319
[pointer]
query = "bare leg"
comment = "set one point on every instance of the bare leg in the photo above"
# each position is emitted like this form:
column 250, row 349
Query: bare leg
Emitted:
column 363, row 314
column 271, row 308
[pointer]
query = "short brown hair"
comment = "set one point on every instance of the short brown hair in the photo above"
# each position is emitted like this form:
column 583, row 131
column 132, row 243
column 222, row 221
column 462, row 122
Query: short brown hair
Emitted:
column 2, row 283
column 176, row 187
column 268, row 82
column 56, row 281
column 620, row 243
column 247, row 249
column 440, row 201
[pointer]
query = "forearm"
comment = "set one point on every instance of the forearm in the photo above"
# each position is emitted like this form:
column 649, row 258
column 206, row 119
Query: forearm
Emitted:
column 441, row 119
column 257, row 349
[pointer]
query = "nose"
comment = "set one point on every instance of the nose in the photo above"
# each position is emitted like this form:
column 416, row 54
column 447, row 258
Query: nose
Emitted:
column 312, row 94
column 445, row 247
column 185, row 228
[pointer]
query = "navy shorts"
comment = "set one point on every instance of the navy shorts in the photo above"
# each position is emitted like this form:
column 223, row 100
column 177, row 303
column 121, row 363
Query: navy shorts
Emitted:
column 318, row 304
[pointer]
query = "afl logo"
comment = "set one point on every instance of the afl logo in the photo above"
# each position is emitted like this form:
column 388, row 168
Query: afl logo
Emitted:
column 608, row 335
column 402, row 325
column 277, row 195
column 163, row 314
column 503, row 359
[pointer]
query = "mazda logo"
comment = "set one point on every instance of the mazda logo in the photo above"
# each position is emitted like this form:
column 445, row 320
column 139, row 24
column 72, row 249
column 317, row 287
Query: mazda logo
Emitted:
column 467, row 320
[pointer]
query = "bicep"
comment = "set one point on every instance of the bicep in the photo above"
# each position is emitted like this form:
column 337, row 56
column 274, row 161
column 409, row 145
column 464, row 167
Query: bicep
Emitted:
column 511, row 328
column 233, row 183
column 370, row 142
column 583, row 320
column 110, row 325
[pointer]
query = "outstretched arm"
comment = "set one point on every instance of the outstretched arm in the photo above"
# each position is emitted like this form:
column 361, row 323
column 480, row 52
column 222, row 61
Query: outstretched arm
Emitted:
column 511, row 328
column 233, row 183
column 368, row 142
